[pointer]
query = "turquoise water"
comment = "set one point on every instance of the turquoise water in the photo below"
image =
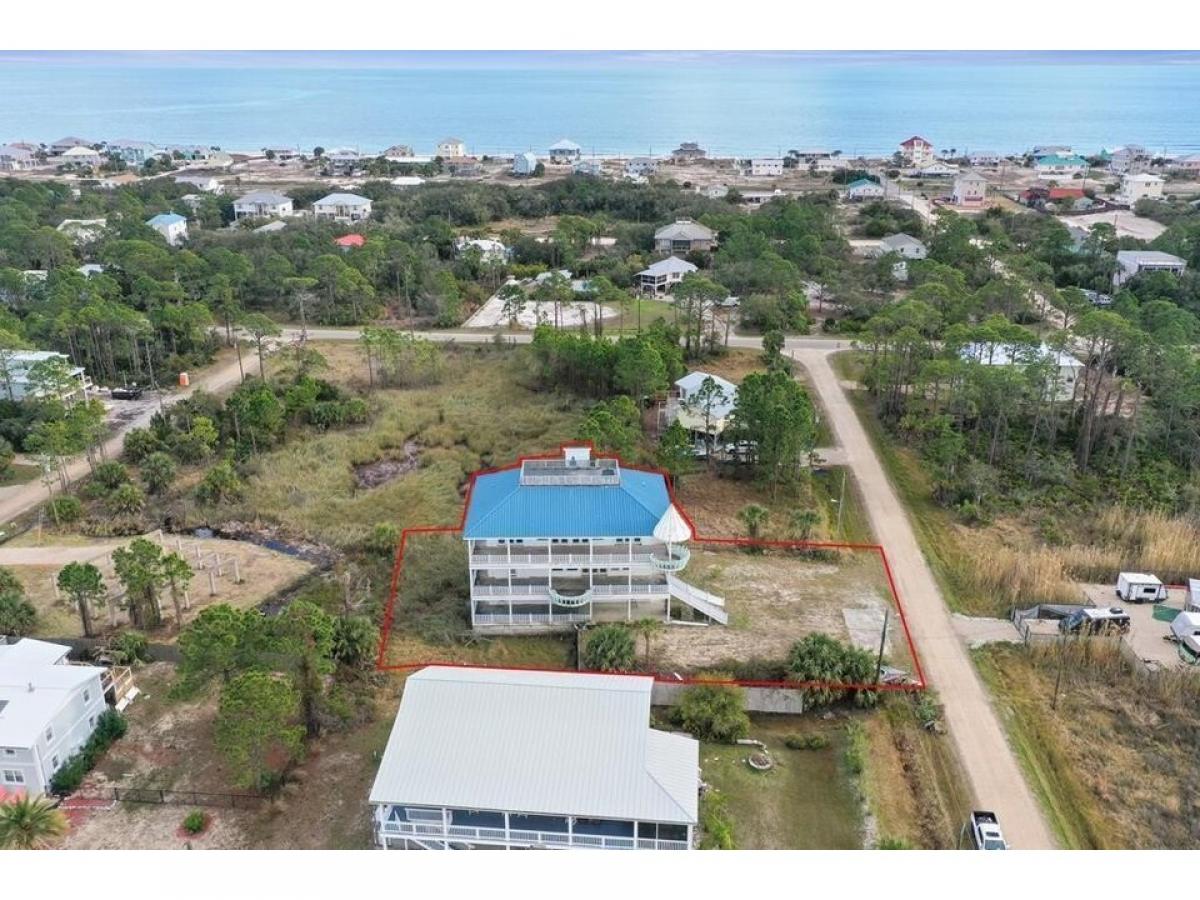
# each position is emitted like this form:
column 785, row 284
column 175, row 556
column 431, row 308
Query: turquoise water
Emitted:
column 609, row 103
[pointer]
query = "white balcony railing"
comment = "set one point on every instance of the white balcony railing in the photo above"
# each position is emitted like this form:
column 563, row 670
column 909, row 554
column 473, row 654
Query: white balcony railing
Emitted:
column 542, row 591
column 518, row 618
column 536, row 838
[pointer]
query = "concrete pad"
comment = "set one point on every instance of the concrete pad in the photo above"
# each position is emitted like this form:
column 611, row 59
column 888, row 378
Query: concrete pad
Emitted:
column 865, row 625
column 570, row 315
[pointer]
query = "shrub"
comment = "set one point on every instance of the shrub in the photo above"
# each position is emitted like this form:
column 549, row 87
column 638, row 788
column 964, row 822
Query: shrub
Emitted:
column 110, row 726
column 609, row 648
column 126, row 500
column 17, row 615
column 140, row 443
column 158, row 471
column 221, row 484
column 383, row 539
column 806, row 742
column 713, row 712
column 855, row 754
column 129, row 647
column 354, row 640
column 65, row 509
column 111, row 475
column 195, row 821
column 821, row 658
column 715, row 825
column 893, row 843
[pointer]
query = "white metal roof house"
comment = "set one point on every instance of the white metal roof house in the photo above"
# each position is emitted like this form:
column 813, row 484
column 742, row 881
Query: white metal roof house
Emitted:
column 1069, row 369
column 263, row 205
column 48, row 709
column 556, row 541
column 660, row 277
column 765, row 167
column 984, row 158
column 687, row 406
column 684, row 236
column 82, row 231
column 970, row 189
column 62, row 145
column 79, row 156
column 204, row 183
column 1136, row 262
column 342, row 207
column 489, row 249
column 864, row 189
column 904, row 244
column 591, row 167
column 172, row 226
column 17, row 365
column 935, row 169
column 524, row 164
column 493, row 758
column 565, row 151
column 641, row 166
column 450, row 147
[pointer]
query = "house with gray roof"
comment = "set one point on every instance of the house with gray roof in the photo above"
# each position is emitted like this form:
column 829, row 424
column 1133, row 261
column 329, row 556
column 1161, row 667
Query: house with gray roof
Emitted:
column 524, row 165
column 16, row 159
column 662, row 276
column 557, row 541
column 342, row 207
column 565, row 152
column 506, row 759
column 1131, row 263
column 905, row 245
column 263, row 205
column 684, row 236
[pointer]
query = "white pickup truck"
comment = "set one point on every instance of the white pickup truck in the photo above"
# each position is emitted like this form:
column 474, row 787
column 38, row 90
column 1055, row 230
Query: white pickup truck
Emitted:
column 985, row 831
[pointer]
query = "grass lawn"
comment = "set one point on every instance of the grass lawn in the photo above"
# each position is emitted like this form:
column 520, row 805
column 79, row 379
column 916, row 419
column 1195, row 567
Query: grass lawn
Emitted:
column 1114, row 765
column 19, row 473
column 485, row 412
column 807, row 802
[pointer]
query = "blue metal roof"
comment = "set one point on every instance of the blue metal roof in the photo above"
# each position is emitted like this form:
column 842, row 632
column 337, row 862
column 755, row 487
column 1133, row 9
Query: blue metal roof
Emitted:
column 502, row 507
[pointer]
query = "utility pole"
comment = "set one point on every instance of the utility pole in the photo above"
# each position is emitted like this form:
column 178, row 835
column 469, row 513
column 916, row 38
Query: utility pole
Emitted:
column 887, row 612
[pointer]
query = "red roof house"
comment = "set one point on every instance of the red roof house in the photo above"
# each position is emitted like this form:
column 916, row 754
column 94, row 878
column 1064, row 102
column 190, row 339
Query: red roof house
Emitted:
column 350, row 240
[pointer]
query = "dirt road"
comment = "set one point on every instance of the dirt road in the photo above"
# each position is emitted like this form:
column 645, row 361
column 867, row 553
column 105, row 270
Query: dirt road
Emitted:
column 996, row 781
column 18, row 499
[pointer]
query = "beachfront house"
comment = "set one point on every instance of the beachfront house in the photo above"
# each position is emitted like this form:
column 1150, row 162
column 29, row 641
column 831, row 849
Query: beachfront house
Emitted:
column 935, row 169
column 684, row 236
column 765, row 167
column 1067, row 370
column 688, row 151
column 1131, row 263
column 84, row 157
column 904, row 245
column 48, row 710
column 62, row 145
column 553, row 542
column 524, row 165
column 704, row 413
column 263, row 205
column 82, row 231
column 464, row 166
column 172, row 226
column 864, row 189
column 19, row 376
column 133, row 153
column 642, row 166
column 590, row 167
column 342, row 207
column 662, row 276
column 450, row 147
column 203, row 183
column 1054, row 166
column 1140, row 186
column 1126, row 160
column 970, row 190
column 1189, row 164
column 917, row 151
column 17, row 159
column 500, row 758
column 565, row 152
column 984, row 159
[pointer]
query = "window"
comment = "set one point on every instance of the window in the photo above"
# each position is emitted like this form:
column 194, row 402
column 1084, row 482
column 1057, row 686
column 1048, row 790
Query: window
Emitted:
column 54, row 763
column 49, row 734
column 14, row 776
column 91, row 721
column 87, row 696
column 9, row 751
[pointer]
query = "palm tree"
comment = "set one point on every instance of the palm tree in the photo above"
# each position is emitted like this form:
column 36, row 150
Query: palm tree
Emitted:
column 753, row 517
column 648, row 628
column 803, row 522
column 29, row 823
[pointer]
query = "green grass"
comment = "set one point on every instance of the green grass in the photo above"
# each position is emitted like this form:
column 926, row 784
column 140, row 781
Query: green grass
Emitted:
column 828, row 494
column 1070, row 809
column 806, row 802
column 483, row 413
column 19, row 473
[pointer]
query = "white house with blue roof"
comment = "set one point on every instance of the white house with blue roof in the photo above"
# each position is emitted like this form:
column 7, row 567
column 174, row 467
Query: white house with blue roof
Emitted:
column 561, row 541
column 172, row 226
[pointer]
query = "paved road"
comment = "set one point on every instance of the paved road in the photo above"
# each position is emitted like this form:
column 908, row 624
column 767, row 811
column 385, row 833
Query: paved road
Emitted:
column 992, row 770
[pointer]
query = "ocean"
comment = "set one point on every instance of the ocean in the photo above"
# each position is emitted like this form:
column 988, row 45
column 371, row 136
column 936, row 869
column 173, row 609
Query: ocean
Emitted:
column 610, row 103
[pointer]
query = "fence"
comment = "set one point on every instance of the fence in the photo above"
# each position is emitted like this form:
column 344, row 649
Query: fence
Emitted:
column 166, row 797
column 1135, row 662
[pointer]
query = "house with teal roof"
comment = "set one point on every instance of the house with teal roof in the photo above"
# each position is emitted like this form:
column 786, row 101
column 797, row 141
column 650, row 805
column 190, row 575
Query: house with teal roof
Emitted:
column 555, row 542
column 864, row 189
column 1058, row 167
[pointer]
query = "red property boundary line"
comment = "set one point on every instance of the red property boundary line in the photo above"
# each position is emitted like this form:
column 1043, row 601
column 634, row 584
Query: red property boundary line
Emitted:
column 398, row 565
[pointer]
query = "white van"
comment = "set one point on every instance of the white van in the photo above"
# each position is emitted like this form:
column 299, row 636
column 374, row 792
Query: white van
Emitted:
column 1136, row 587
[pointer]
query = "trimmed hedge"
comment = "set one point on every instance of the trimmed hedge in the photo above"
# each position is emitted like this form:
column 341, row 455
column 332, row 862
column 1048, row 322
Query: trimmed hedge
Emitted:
column 109, row 727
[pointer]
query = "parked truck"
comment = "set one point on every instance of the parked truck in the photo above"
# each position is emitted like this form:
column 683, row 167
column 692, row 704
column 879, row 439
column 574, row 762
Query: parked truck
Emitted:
column 985, row 831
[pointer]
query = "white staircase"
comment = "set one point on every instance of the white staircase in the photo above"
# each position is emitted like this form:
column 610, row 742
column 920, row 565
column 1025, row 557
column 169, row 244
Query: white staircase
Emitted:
column 701, row 601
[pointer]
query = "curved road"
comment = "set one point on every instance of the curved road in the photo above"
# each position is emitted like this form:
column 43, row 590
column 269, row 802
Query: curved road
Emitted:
column 991, row 768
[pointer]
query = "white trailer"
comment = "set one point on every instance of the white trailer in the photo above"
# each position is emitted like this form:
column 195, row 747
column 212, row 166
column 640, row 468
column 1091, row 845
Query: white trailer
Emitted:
column 1137, row 587
column 1185, row 628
